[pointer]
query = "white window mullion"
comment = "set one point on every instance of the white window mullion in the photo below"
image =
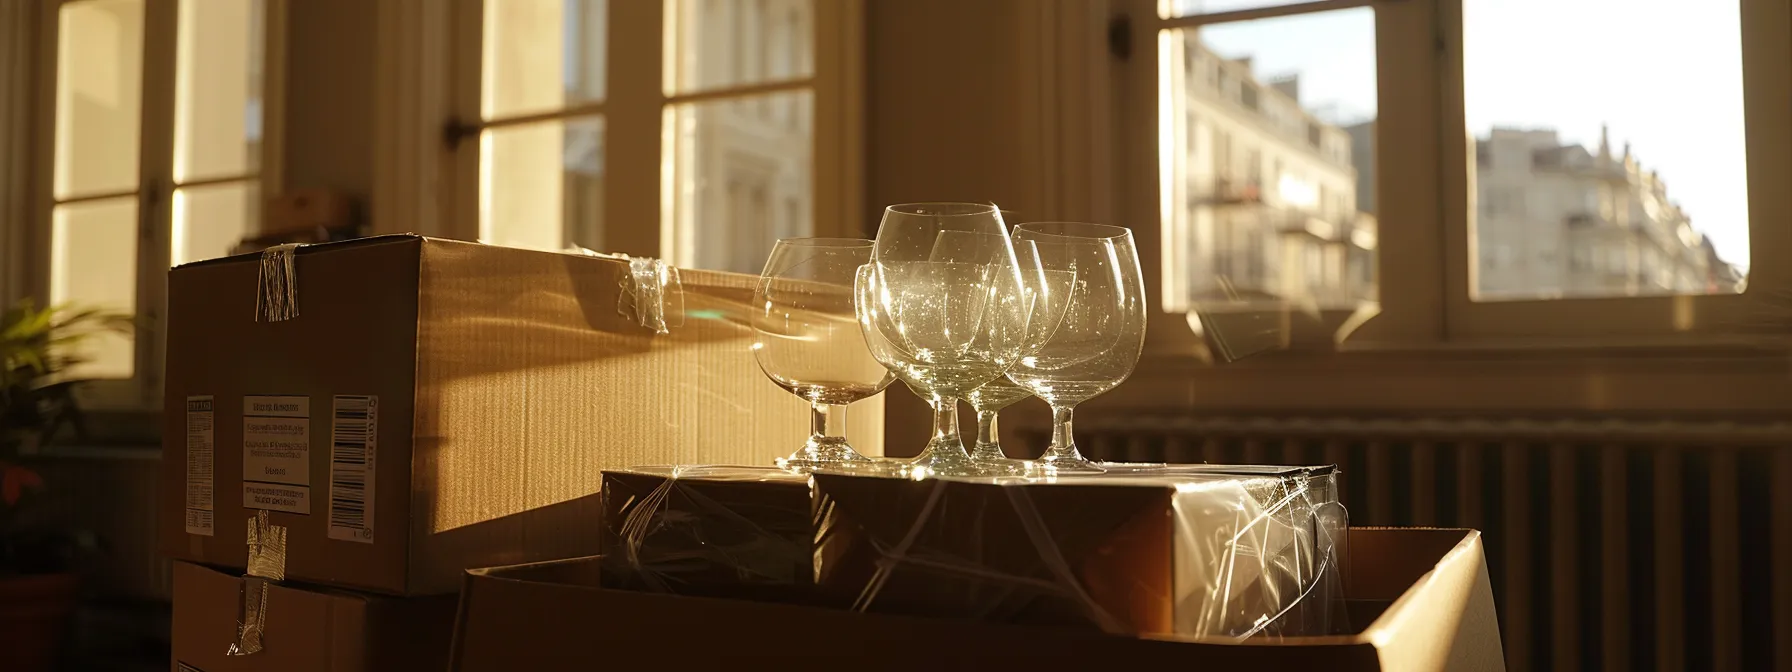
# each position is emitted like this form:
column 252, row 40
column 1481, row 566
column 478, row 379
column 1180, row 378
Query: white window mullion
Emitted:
column 155, row 202
column 632, row 150
column 839, row 154
column 1409, row 151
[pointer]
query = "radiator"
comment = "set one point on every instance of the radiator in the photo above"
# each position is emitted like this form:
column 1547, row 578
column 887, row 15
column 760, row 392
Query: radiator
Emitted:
column 1611, row 544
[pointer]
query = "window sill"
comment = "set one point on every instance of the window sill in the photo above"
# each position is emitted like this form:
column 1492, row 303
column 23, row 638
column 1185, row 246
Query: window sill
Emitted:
column 1707, row 377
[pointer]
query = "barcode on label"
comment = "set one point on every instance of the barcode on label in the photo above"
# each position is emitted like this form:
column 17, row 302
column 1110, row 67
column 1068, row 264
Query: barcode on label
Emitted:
column 353, row 427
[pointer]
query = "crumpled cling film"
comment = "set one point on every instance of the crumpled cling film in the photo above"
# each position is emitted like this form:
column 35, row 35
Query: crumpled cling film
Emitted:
column 1219, row 551
column 715, row 531
column 652, row 294
column 1168, row 550
column 267, row 563
column 277, row 289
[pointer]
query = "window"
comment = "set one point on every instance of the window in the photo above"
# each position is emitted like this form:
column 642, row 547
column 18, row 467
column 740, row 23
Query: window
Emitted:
column 1306, row 81
column 122, row 203
column 1527, row 187
column 690, row 164
column 1542, row 98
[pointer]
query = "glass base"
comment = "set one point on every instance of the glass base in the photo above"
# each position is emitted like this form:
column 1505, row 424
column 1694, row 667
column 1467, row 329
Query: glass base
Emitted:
column 944, row 456
column 989, row 460
column 823, row 454
column 1068, row 465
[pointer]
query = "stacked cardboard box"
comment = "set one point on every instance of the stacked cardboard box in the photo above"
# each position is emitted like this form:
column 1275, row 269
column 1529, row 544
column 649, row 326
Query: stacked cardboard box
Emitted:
column 1196, row 550
column 1420, row 600
column 406, row 408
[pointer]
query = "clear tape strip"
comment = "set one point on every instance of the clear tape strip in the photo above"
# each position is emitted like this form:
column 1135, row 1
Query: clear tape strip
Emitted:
column 650, row 292
column 276, row 293
column 267, row 564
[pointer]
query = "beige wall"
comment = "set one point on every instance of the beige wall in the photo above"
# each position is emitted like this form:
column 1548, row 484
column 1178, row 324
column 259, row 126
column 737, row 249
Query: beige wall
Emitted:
column 952, row 109
column 329, row 122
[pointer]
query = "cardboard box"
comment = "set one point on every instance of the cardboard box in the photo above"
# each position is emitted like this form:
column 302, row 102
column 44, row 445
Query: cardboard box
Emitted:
column 1420, row 597
column 709, row 530
column 437, row 405
column 307, row 629
column 1178, row 551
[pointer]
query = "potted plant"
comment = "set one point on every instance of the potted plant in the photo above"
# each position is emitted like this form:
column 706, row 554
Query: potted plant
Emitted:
column 38, row 584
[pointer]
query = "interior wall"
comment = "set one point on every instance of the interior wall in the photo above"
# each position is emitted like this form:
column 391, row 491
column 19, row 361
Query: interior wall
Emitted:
column 943, row 76
column 329, row 122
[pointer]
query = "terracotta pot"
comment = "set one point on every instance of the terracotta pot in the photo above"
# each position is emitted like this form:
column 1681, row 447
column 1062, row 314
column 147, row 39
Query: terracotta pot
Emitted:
column 34, row 613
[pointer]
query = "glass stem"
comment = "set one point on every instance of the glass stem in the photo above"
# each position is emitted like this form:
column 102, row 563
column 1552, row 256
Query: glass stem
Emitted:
column 945, row 418
column 1063, row 443
column 827, row 423
column 986, row 430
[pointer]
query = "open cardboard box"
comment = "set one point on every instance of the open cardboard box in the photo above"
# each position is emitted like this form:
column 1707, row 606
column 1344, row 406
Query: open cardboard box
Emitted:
column 1420, row 599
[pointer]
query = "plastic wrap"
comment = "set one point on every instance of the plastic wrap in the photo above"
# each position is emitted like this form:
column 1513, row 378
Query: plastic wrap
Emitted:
column 1170, row 550
column 1146, row 549
column 713, row 531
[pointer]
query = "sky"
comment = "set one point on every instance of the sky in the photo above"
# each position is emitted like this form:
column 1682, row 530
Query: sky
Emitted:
column 1665, row 75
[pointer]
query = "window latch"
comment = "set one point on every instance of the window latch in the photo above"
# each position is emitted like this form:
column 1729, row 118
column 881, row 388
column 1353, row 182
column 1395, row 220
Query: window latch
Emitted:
column 1120, row 36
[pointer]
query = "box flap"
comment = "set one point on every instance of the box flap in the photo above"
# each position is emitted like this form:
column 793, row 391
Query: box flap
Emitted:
column 1445, row 620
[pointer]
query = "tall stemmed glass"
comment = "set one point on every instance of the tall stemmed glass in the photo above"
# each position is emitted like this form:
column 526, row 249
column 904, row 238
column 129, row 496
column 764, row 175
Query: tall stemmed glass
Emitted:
column 808, row 341
column 1091, row 273
column 949, row 309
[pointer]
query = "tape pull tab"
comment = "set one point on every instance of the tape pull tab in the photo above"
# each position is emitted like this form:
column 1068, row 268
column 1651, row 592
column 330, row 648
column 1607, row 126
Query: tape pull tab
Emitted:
column 652, row 295
column 277, row 292
column 267, row 564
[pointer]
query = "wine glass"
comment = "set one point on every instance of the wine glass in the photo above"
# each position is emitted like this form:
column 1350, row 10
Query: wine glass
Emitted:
column 808, row 341
column 988, row 401
column 946, row 311
column 1090, row 272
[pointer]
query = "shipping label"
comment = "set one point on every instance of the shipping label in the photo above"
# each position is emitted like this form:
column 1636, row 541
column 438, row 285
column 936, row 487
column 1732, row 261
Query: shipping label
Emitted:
column 354, row 426
column 277, row 452
column 201, row 435
column 277, row 497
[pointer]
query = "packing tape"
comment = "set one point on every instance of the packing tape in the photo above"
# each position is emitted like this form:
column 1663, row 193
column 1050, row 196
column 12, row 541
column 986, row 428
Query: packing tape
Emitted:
column 277, row 292
column 652, row 294
column 267, row 564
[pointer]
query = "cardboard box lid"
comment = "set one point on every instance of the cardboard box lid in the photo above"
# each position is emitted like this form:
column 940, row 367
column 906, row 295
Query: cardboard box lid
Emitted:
column 1439, row 615
column 307, row 629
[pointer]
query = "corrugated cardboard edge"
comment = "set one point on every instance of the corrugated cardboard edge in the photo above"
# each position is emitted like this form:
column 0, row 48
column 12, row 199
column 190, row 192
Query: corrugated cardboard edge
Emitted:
column 1406, row 636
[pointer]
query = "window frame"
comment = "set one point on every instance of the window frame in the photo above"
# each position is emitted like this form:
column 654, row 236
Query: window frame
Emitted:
column 1425, row 243
column 156, row 183
column 636, row 176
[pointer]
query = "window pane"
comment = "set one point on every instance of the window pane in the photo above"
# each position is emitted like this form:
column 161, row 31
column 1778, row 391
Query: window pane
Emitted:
column 210, row 220
column 93, row 261
column 740, row 180
column 1577, row 145
column 1268, row 162
column 1170, row 8
column 543, row 55
column 217, row 126
column 722, row 43
column 99, row 82
column 542, row 184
